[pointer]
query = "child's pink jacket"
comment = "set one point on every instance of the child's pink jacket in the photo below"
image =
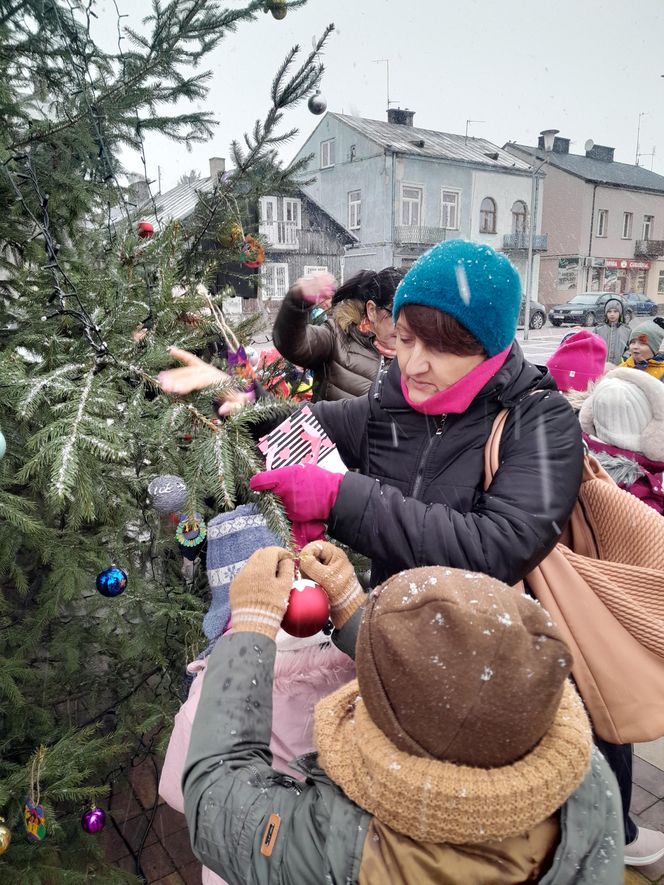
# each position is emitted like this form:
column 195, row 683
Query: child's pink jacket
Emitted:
column 301, row 678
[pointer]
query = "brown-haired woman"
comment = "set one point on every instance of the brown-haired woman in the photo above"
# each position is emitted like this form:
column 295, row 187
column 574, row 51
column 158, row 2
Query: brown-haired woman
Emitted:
column 348, row 348
column 414, row 494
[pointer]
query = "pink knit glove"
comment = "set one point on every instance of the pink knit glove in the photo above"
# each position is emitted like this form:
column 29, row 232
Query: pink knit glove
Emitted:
column 308, row 494
column 316, row 287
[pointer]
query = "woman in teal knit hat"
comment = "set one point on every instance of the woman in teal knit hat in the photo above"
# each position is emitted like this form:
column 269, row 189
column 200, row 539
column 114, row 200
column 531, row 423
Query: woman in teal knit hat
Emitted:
column 414, row 445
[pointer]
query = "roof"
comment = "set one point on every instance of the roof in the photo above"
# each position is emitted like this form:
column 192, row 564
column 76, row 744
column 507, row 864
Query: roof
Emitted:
column 437, row 145
column 344, row 230
column 174, row 205
column 600, row 171
column 179, row 203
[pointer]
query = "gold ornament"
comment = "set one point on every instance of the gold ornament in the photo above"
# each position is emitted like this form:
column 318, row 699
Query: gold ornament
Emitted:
column 5, row 836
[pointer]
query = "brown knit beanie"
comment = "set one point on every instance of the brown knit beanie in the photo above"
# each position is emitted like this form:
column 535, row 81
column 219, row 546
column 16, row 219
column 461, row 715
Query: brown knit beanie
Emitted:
column 456, row 666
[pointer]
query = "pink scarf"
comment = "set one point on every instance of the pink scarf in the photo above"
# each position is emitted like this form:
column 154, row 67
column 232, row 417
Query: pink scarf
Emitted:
column 456, row 398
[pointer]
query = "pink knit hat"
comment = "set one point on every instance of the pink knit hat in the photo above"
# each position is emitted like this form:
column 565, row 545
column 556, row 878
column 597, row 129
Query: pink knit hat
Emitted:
column 579, row 359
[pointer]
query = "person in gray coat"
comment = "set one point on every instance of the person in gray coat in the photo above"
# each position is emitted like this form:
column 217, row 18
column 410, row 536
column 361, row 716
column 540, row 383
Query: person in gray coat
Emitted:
column 461, row 754
column 614, row 331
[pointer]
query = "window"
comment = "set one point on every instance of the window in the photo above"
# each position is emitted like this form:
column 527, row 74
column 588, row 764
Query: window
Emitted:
column 315, row 268
column 449, row 209
column 411, row 205
column 488, row 216
column 268, row 209
column 354, row 209
column 327, row 153
column 628, row 217
column 519, row 217
column 648, row 225
column 293, row 211
column 602, row 222
column 660, row 283
column 274, row 280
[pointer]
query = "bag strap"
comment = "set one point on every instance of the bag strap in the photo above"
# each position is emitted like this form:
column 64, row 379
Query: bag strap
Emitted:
column 492, row 448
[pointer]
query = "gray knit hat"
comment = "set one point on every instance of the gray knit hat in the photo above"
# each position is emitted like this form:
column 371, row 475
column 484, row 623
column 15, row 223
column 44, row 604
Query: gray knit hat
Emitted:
column 652, row 332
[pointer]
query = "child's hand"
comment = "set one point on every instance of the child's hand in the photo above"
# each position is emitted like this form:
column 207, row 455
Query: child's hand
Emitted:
column 330, row 567
column 260, row 592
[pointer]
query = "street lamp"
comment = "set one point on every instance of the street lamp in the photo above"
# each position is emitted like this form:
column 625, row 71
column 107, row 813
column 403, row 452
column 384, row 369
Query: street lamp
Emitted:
column 548, row 136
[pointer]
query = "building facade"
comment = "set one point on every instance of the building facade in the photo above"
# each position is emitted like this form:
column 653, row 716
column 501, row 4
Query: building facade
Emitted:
column 605, row 223
column 400, row 189
column 298, row 236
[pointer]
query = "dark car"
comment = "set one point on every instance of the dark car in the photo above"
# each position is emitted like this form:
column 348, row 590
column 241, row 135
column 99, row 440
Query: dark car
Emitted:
column 585, row 309
column 537, row 315
column 638, row 304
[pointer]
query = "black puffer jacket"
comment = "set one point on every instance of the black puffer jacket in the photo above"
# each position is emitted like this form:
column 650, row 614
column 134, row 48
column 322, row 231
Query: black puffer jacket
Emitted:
column 418, row 498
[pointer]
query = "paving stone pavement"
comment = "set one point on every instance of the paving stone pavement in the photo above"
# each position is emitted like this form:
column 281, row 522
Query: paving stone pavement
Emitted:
column 159, row 837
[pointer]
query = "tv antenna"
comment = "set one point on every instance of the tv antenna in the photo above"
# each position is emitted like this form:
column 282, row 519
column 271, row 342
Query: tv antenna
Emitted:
column 638, row 137
column 386, row 62
column 469, row 123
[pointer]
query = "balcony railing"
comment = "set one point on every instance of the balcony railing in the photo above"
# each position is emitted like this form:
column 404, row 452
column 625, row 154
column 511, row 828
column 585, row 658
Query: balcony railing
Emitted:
column 280, row 234
column 519, row 242
column 422, row 236
column 649, row 249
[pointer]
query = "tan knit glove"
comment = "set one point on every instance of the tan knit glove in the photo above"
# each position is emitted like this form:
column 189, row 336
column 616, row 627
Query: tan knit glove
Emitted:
column 331, row 568
column 259, row 592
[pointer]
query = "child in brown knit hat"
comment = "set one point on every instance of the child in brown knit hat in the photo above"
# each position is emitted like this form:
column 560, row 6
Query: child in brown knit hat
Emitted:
column 461, row 754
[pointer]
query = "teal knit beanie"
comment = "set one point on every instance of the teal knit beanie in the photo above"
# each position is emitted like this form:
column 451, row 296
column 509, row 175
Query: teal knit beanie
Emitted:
column 474, row 284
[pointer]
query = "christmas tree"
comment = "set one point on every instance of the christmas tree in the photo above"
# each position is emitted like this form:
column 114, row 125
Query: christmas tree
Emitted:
column 89, row 681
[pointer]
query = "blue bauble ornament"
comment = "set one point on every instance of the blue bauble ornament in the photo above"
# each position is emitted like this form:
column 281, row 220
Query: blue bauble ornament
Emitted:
column 111, row 582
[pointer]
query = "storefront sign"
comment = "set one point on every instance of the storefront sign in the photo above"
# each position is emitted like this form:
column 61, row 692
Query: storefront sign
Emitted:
column 626, row 264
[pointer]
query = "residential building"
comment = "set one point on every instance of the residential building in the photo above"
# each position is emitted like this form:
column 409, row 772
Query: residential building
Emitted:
column 400, row 189
column 298, row 235
column 605, row 222
column 300, row 238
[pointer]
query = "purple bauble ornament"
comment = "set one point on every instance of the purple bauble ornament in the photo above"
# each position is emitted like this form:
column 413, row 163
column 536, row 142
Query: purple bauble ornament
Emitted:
column 94, row 820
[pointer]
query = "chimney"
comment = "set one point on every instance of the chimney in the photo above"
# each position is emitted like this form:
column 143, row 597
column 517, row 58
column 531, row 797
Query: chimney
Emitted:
column 217, row 168
column 139, row 189
column 560, row 145
column 400, row 117
column 601, row 152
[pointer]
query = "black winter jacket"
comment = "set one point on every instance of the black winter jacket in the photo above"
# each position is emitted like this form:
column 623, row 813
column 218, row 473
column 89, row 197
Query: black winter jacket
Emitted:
column 418, row 498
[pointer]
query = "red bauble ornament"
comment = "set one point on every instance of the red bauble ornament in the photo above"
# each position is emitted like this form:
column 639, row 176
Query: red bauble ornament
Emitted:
column 145, row 230
column 308, row 609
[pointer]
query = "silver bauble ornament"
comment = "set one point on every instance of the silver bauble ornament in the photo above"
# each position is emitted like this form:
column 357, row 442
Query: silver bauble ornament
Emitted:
column 278, row 9
column 168, row 493
column 317, row 104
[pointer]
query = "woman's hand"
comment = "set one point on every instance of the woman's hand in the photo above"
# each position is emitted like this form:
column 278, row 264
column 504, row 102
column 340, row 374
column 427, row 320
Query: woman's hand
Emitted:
column 315, row 287
column 195, row 374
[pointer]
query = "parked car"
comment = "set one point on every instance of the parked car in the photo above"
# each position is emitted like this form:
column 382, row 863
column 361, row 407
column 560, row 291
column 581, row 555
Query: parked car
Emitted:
column 585, row 309
column 638, row 304
column 537, row 315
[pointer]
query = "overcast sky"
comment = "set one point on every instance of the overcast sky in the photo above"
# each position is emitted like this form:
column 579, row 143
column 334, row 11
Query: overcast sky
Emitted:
column 586, row 67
